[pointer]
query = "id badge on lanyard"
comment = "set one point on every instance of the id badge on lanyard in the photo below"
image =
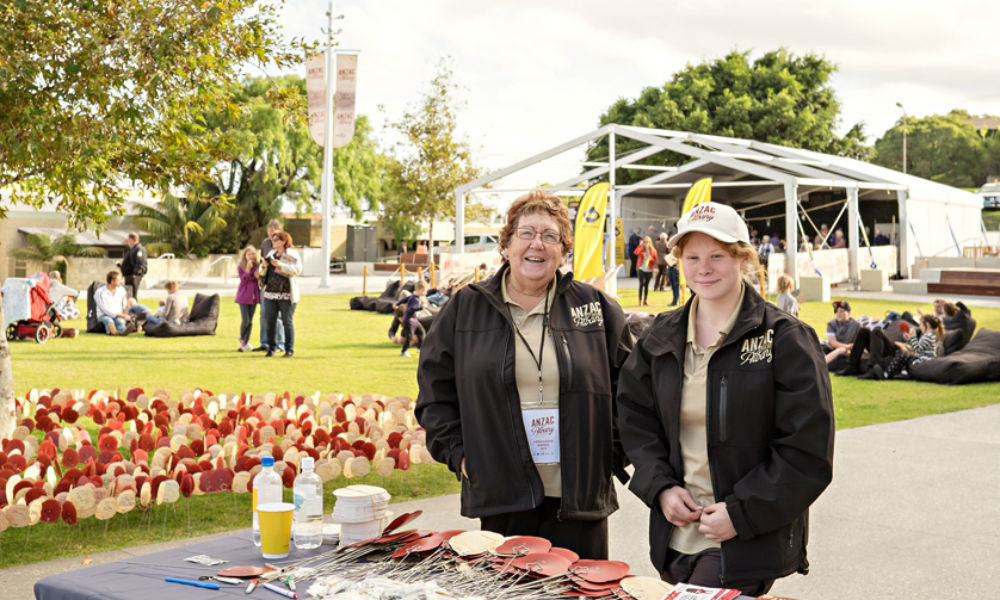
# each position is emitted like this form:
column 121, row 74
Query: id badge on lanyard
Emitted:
column 542, row 427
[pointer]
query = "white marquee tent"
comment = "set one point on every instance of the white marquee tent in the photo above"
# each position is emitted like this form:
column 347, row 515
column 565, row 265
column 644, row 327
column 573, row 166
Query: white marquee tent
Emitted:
column 934, row 219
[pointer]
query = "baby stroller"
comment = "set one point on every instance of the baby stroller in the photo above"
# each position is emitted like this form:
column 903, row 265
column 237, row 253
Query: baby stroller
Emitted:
column 28, row 310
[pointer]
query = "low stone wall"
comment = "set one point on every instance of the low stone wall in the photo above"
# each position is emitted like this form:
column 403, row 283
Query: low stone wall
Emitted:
column 81, row 271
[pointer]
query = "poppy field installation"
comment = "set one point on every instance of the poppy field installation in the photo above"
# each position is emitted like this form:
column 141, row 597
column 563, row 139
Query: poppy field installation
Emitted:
column 154, row 449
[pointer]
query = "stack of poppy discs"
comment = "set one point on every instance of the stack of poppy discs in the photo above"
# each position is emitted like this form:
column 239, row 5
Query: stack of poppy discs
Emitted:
column 362, row 511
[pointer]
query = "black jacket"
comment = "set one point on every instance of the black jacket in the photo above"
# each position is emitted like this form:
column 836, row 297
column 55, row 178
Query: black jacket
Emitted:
column 134, row 263
column 770, row 433
column 469, row 403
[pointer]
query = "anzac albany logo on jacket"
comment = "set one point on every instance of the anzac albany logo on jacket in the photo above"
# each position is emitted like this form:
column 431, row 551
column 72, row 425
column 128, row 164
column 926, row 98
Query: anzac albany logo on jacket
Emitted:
column 757, row 348
column 587, row 314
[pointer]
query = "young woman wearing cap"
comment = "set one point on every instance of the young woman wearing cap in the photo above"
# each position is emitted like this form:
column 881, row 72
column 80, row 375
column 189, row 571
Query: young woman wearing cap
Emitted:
column 725, row 410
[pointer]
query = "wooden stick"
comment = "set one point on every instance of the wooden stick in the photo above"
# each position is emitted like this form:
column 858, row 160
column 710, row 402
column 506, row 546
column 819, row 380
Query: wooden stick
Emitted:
column 364, row 281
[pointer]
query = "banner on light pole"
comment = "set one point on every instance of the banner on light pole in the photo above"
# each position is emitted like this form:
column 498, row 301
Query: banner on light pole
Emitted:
column 316, row 94
column 343, row 103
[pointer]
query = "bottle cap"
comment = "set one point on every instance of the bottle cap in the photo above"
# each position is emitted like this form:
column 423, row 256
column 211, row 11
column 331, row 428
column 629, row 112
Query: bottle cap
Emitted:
column 267, row 461
column 307, row 463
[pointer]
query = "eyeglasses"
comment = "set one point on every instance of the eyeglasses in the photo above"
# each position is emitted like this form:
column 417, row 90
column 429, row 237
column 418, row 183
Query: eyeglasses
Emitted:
column 549, row 238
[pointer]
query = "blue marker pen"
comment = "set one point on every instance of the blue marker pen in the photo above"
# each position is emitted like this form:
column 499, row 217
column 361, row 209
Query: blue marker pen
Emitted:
column 201, row 584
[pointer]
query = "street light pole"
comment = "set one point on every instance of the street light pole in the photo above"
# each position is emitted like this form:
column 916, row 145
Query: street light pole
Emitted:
column 900, row 105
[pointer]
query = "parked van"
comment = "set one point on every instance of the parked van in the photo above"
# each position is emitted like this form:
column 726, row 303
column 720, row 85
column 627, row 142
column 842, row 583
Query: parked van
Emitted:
column 478, row 243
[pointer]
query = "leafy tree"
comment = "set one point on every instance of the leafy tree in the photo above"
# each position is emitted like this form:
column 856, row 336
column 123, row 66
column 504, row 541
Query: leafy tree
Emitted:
column 274, row 159
column 946, row 149
column 182, row 226
column 434, row 160
column 779, row 98
column 96, row 93
column 397, row 205
column 55, row 250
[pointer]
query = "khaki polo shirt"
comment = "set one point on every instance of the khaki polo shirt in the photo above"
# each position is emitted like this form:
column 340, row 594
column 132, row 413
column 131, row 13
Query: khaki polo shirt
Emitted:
column 526, row 372
column 694, row 429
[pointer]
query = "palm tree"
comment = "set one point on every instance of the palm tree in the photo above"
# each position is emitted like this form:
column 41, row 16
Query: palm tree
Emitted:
column 54, row 250
column 182, row 226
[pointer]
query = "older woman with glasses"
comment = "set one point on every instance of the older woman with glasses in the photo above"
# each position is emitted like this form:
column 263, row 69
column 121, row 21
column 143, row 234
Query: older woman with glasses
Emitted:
column 281, row 291
column 517, row 379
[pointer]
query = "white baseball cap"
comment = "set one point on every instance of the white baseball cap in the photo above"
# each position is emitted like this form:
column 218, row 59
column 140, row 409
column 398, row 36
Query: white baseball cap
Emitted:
column 719, row 221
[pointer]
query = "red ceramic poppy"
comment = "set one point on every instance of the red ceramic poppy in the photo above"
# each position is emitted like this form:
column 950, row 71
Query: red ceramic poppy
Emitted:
column 403, row 460
column 339, row 414
column 600, row 571
column 369, row 449
column 288, row 476
column 185, row 452
column 307, row 428
column 51, row 510
column 16, row 462
column 336, row 430
column 401, row 520
column 43, row 422
column 99, row 417
column 87, row 452
column 10, row 445
column 341, row 444
column 320, row 436
column 69, row 415
column 70, row 457
column 69, row 513
column 107, row 443
column 20, row 485
column 29, row 423
column 572, row 556
column 133, row 394
column 544, row 563
column 47, row 448
column 393, row 439
column 187, row 485
column 524, row 544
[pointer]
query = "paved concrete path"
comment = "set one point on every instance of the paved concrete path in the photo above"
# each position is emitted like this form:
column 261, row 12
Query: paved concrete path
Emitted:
column 913, row 512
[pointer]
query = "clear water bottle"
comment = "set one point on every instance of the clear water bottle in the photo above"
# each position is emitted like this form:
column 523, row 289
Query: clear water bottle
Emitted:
column 266, row 488
column 307, row 495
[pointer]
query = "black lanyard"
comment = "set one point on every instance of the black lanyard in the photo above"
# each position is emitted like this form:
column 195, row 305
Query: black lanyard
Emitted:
column 541, row 346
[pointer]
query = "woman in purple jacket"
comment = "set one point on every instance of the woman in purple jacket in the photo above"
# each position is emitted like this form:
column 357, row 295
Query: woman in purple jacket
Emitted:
column 248, row 294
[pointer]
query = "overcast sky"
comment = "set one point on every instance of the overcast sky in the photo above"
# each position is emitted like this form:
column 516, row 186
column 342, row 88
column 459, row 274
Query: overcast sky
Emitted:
column 539, row 73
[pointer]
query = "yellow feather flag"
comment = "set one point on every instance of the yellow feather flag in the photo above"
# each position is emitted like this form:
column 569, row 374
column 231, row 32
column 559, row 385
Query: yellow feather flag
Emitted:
column 700, row 193
column 588, row 234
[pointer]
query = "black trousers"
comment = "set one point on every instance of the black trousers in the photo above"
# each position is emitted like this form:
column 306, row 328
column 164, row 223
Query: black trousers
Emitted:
column 660, row 281
column 705, row 569
column 880, row 348
column 134, row 281
column 589, row 539
column 644, row 277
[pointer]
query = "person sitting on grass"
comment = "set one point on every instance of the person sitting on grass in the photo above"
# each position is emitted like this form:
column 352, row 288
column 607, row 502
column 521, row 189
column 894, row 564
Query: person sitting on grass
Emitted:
column 171, row 309
column 919, row 347
column 840, row 332
column 110, row 301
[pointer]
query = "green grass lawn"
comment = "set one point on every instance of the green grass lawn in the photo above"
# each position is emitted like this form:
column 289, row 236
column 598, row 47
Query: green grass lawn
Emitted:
column 338, row 350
